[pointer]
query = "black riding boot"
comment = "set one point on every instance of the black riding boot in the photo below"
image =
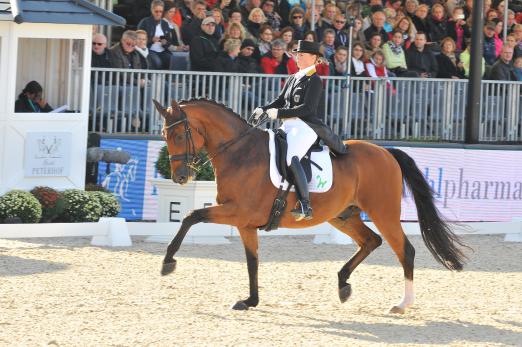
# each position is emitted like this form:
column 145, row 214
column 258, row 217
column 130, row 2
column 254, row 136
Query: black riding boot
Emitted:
column 304, row 211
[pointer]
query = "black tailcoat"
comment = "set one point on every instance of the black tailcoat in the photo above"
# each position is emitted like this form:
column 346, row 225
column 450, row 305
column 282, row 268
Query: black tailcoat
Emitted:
column 304, row 98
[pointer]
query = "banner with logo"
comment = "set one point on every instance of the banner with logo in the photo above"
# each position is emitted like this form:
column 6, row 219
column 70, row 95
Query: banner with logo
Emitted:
column 469, row 184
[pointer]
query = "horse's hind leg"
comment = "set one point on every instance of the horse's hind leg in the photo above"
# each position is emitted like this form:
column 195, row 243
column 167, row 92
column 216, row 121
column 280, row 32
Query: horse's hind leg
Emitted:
column 392, row 231
column 367, row 241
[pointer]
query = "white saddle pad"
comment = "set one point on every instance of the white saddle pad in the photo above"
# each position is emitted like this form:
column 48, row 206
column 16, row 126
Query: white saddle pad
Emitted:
column 321, row 180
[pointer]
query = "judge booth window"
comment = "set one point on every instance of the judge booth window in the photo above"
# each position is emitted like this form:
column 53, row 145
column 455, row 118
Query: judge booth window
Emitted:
column 49, row 75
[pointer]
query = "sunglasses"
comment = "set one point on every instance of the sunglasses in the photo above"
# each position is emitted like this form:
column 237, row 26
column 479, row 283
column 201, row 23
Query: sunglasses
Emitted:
column 340, row 21
column 268, row 4
column 130, row 44
column 297, row 17
column 98, row 43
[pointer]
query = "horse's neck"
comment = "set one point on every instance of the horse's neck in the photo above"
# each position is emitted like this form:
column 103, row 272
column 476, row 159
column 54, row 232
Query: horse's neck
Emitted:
column 245, row 155
column 221, row 128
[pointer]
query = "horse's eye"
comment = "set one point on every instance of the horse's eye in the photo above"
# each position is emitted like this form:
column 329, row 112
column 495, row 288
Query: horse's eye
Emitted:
column 179, row 137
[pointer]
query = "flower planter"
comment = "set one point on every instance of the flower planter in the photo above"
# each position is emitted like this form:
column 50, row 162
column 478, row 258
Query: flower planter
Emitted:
column 176, row 201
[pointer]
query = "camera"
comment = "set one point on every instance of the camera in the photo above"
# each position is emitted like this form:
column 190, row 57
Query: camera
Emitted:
column 461, row 16
column 350, row 21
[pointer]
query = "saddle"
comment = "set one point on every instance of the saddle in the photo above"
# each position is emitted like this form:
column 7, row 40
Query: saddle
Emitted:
column 281, row 149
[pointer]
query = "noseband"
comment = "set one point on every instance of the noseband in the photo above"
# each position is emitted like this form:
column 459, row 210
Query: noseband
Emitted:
column 190, row 158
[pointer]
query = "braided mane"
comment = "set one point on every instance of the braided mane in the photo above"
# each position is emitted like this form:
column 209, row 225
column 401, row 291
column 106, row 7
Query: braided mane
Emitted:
column 214, row 103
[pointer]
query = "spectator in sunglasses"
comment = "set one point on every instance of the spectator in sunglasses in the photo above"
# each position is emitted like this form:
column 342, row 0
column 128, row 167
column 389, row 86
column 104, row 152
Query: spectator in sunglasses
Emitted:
column 297, row 22
column 100, row 54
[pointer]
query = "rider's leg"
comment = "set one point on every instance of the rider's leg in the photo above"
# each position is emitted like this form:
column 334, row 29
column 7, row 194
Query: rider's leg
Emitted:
column 304, row 211
column 299, row 137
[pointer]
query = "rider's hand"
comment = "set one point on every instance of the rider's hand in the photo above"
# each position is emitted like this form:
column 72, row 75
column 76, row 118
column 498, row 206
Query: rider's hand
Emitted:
column 272, row 113
column 258, row 112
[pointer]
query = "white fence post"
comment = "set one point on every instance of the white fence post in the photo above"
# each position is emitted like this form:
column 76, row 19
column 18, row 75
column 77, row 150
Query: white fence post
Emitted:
column 515, row 237
column 117, row 233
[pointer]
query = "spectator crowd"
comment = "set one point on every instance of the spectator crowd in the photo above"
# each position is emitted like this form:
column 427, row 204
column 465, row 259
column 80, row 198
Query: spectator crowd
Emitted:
column 403, row 38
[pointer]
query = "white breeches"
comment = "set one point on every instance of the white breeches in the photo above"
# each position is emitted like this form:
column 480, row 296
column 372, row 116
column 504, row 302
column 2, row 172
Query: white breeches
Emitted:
column 300, row 138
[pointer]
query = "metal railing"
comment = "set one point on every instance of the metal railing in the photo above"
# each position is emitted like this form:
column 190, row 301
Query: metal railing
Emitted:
column 387, row 109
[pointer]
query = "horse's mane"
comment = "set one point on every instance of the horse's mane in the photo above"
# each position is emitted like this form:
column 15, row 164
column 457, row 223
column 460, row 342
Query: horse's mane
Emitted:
column 215, row 103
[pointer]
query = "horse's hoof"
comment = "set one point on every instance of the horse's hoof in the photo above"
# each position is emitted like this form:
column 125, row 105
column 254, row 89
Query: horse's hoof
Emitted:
column 168, row 268
column 345, row 292
column 240, row 306
column 397, row 310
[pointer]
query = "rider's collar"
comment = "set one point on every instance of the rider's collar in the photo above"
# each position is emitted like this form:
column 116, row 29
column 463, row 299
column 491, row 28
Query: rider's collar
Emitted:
column 309, row 71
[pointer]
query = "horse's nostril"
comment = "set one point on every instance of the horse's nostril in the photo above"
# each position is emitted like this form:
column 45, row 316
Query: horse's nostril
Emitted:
column 182, row 179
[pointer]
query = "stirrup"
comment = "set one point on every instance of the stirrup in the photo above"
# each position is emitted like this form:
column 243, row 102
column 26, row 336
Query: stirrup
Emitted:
column 299, row 212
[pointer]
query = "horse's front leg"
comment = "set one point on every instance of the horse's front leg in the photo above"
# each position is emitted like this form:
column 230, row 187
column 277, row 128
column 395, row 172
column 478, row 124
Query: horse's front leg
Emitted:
column 215, row 214
column 250, row 241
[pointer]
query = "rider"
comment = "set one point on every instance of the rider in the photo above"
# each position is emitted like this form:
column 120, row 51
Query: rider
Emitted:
column 301, row 106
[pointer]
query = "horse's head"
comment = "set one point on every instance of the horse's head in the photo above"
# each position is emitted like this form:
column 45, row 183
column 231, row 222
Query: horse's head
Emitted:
column 183, row 140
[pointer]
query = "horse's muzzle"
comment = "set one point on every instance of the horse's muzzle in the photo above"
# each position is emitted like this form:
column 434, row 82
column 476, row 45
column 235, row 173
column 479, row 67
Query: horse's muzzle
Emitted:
column 182, row 179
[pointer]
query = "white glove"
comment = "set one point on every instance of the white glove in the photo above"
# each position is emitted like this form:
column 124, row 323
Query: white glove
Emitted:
column 258, row 112
column 272, row 113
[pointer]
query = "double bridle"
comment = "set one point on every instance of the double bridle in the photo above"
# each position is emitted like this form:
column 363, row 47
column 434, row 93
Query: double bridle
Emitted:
column 190, row 158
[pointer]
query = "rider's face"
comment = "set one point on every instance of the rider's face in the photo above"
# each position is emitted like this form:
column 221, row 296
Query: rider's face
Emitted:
column 305, row 60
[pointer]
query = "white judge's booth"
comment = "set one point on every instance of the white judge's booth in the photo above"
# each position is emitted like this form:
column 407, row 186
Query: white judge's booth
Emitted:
column 48, row 42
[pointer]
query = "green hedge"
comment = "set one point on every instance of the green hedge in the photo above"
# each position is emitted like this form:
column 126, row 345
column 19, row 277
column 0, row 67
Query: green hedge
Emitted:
column 20, row 204
column 204, row 173
column 44, row 204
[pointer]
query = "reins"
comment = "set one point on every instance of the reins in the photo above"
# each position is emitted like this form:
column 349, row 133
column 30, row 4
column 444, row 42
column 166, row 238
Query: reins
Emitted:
column 190, row 158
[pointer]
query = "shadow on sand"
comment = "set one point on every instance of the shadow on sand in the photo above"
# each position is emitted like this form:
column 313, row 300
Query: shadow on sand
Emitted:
column 16, row 266
column 447, row 332
column 299, row 249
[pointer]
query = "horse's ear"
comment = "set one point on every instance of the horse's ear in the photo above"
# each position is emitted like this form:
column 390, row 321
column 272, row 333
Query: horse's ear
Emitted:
column 160, row 109
column 175, row 106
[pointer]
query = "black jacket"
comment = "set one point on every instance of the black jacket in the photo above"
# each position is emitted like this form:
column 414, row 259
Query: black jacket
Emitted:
column 372, row 29
column 248, row 64
column 102, row 60
column 341, row 38
column 149, row 25
column 191, row 29
column 224, row 63
column 24, row 105
column 304, row 98
column 204, row 50
column 446, row 68
column 421, row 61
column 501, row 71
column 438, row 29
column 421, row 25
column 452, row 32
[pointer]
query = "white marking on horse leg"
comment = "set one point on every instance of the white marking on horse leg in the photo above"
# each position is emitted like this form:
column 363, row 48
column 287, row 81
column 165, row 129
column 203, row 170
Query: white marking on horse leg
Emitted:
column 409, row 295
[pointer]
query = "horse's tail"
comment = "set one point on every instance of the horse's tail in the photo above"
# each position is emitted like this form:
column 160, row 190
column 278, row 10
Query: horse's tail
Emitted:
column 436, row 233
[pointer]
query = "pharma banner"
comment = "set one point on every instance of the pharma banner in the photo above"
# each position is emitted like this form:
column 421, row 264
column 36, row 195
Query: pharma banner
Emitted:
column 470, row 184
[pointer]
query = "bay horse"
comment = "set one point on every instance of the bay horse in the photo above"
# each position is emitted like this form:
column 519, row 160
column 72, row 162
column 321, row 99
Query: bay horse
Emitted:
column 369, row 178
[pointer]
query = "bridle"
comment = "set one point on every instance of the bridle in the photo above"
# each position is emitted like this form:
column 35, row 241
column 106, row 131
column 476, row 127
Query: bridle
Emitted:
column 190, row 158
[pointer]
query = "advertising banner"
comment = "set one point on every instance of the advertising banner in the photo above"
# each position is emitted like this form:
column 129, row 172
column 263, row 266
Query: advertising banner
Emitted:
column 469, row 184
